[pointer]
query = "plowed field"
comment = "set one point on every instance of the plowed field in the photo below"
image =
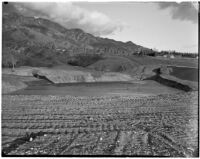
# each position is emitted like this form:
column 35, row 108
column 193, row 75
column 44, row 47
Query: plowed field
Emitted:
column 162, row 125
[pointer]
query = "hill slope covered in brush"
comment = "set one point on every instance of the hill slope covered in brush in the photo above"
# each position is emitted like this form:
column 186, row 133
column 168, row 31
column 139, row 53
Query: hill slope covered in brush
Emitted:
column 35, row 41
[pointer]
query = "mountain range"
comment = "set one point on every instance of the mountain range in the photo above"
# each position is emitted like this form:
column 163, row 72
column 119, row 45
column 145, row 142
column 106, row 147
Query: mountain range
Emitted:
column 38, row 41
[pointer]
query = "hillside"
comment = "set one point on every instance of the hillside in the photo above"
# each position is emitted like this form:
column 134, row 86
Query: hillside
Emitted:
column 39, row 42
column 114, row 64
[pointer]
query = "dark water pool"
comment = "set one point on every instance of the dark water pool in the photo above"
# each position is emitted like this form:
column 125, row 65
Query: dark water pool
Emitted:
column 95, row 89
column 185, row 73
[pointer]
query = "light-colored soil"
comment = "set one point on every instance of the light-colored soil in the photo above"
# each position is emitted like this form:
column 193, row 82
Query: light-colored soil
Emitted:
column 62, row 75
column 11, row 83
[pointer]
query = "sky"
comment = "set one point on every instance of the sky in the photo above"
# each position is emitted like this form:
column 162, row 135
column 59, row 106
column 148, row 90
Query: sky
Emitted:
column 148, row 25
column 156, row 25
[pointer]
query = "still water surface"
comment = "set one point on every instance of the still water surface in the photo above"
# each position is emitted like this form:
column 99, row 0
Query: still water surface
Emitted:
column 142, row 88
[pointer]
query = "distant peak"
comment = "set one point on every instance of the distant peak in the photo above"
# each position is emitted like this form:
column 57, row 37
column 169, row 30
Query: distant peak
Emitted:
column 129, row 43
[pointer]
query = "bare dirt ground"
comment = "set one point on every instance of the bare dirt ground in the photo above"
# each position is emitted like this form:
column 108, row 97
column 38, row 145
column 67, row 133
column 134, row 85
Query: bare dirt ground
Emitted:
column 163, row 125
column 11, row 83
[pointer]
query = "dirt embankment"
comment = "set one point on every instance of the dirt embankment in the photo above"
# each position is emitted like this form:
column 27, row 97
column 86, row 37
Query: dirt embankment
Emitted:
column 162, row 76
column 170, row 83
column 63, row 76
column 68, row 74
column 60, row 75
column 16, row 80
column 12, row 83
column 10, row 86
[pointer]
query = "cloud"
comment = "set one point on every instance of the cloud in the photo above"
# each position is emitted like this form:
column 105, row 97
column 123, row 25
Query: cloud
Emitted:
column 72, row 16
column 187, row 11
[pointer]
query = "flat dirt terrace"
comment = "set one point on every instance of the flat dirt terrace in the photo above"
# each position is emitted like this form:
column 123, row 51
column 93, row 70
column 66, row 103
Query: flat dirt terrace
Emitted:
column 162, row 125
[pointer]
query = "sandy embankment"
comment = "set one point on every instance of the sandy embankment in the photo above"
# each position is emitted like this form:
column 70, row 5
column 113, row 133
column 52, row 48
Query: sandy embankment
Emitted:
column 61, row 75
column 8, row 86
column 11, row 83
column 192, row 85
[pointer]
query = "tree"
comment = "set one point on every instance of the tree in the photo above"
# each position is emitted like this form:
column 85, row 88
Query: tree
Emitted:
column 13, row 61
column 8, row 58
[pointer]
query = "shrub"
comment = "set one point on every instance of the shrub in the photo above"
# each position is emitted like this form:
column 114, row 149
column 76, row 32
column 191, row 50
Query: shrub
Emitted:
column 84, row 60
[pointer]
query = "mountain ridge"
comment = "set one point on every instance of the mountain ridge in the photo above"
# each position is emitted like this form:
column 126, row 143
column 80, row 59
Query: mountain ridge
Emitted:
column 24, row 33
